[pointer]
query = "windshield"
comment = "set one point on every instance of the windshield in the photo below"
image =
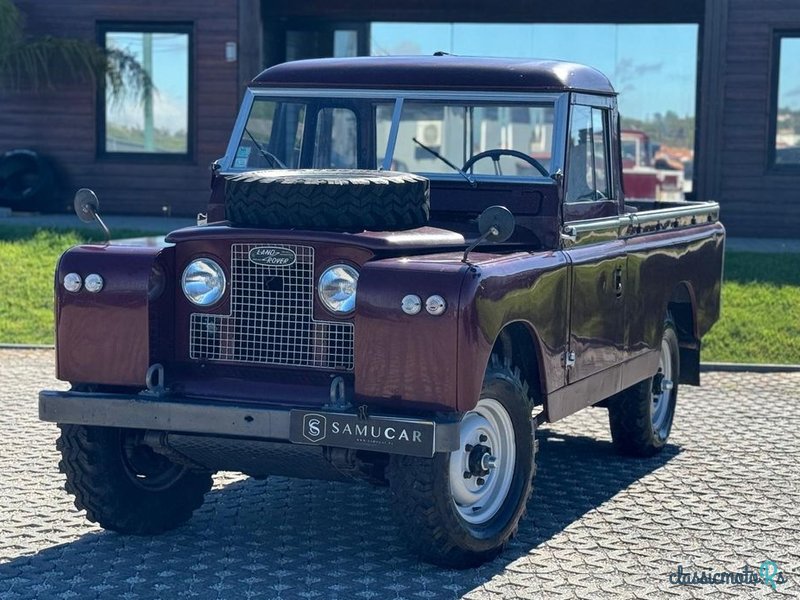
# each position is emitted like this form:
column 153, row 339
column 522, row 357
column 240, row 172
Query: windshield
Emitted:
column 431, row 137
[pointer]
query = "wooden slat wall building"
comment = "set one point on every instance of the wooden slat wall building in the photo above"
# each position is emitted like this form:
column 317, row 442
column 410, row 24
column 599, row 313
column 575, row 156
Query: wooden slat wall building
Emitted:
column 735, row 112
column 756, row 198
column 61, row 123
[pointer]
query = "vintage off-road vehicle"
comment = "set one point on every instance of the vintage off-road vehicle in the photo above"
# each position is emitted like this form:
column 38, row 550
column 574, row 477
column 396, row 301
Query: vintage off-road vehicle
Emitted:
column 408, row 264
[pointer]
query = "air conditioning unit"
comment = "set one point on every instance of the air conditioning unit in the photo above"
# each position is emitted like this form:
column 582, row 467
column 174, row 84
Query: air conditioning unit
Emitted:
column 429, row 132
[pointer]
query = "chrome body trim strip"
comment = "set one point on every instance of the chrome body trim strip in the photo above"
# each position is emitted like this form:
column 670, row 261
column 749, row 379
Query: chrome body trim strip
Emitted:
column 572, row 229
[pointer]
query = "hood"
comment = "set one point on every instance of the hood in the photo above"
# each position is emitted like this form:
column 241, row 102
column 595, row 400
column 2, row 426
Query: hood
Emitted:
column 378, row 241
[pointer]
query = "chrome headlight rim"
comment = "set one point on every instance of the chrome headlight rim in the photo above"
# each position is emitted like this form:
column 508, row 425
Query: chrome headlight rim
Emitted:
column 349, row 302
column 205, row 300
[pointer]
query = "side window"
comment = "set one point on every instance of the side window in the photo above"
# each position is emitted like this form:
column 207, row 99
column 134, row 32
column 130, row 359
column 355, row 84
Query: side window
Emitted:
column 335, row 140
column 600, row 150
column 587, row 179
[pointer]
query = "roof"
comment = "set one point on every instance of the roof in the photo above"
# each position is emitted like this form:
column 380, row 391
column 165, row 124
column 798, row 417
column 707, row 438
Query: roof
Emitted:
column 438, row 73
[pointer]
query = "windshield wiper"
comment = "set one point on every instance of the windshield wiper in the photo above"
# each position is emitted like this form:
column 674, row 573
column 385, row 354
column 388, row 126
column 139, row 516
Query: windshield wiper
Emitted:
column 268, row 155
column 469, row 178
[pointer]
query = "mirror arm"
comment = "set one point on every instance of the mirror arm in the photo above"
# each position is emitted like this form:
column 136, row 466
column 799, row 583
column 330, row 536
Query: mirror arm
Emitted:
column 492, row 232
column 106, row 232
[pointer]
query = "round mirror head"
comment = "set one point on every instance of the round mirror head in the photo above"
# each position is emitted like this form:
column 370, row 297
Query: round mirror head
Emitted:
column 86, row 204
column 496, row 223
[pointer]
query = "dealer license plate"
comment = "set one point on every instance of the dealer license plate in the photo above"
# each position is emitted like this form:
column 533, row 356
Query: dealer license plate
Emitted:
column 379, row 434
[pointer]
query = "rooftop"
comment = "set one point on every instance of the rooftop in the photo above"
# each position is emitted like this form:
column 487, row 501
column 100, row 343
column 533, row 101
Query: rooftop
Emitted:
column 437, row 73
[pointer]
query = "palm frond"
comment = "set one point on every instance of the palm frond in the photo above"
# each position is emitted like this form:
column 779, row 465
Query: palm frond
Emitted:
column 11, row 24
column 125, row 76
column 45, row 62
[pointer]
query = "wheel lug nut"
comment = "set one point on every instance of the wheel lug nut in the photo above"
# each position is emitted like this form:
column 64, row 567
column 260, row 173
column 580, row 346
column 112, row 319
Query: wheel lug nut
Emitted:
column 480, row 481
column 467, row 475
column 483, row 438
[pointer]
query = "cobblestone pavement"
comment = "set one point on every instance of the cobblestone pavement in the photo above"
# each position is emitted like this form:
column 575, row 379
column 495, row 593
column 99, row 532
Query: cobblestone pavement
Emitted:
column 724, row 493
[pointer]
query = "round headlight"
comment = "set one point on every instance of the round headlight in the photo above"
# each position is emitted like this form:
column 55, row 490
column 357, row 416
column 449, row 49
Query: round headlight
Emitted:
column 337, row 288
column 203, row 282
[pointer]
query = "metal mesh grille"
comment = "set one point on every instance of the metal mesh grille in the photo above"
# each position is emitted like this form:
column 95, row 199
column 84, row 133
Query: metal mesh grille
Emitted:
column 271, row 320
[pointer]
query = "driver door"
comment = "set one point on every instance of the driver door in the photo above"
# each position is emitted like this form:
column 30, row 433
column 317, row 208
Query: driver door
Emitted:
column 597, row 256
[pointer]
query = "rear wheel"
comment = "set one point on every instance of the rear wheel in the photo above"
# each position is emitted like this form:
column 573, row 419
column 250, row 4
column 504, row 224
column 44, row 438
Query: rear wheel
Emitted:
column 123, row 484
column 641, row 416
column 460, row 509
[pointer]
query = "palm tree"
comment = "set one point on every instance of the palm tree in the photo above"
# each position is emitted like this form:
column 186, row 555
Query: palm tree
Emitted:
column 34, row 63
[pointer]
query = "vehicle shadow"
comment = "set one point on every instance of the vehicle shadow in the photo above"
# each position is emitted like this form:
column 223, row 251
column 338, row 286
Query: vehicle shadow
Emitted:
column 287, row 538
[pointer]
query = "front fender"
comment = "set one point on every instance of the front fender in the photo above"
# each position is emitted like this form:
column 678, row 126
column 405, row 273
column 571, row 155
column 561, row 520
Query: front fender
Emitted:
column 408, row 360
column 105, row 337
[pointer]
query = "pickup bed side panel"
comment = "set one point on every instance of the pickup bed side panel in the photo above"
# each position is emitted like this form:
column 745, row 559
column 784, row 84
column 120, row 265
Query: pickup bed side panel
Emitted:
column 499, row 290
column 658, row 264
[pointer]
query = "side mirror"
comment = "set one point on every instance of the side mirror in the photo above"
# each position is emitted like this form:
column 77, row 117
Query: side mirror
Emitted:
column 86, row 205
column 496, row 224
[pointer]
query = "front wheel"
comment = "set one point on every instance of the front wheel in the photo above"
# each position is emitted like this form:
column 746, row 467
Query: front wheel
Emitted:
column 459, row 509
column 641, row 416
column 123, row 484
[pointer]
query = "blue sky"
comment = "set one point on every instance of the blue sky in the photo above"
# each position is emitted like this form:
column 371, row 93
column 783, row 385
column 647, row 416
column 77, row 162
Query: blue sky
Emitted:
column 654, row 67
column 789, row 87
column 170, row 76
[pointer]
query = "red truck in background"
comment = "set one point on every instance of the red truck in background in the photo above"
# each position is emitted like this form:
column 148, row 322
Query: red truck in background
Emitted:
column 641, row 177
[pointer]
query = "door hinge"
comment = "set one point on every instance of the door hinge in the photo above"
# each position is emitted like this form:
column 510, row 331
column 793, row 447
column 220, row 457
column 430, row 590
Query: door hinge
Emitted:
column 569, row 359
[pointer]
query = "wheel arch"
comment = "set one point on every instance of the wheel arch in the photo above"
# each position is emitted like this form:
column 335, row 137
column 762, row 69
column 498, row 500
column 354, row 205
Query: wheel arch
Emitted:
column 682, row 307
column 518, row 343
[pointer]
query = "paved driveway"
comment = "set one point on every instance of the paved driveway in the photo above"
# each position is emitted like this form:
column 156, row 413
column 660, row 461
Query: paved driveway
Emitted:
column 725, row 493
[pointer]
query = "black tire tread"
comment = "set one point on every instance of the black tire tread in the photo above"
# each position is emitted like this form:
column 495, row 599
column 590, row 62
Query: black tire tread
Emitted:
column 416, row 502
column 629, row 417
column 90, row 460
column 332, row 200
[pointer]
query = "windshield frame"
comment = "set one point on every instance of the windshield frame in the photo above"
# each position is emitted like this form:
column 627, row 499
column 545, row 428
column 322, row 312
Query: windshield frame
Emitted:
column 560, row 102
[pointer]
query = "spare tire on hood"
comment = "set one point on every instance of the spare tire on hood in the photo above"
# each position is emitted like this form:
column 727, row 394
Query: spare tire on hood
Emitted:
column 332, row 200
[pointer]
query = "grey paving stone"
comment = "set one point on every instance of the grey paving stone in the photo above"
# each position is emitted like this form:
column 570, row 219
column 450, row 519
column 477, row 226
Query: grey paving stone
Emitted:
column 725, row 492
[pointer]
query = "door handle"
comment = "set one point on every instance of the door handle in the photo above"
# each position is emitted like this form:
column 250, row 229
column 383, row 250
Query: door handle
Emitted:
column 618, row 281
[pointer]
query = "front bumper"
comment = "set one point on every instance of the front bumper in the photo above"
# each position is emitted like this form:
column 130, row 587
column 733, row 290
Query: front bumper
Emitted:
column 392, row 434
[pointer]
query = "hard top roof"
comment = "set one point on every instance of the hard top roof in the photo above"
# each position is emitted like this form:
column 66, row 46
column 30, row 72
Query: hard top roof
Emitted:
column 437, row 73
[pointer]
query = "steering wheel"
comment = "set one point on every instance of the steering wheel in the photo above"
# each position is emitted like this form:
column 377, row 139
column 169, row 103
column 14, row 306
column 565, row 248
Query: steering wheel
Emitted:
column 495, row 155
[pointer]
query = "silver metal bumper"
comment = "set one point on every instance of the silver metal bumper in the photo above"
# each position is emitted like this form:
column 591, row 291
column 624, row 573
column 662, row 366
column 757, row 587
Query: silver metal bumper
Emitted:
column 217, row 418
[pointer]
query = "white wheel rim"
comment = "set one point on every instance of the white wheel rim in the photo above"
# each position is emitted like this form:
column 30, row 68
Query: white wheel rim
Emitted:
column 662, row 391
column 482, row 468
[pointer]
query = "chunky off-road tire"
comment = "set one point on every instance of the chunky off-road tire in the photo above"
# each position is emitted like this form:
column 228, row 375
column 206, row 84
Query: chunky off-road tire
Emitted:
column 129, row 490
column 641, row 416
column 332, row 200
column 424, row 490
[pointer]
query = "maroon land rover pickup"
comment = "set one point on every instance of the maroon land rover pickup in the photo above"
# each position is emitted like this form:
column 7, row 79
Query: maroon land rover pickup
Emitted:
column 408, row 264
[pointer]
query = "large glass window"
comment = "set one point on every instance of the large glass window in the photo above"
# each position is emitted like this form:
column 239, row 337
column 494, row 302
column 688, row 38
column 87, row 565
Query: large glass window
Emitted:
column 787, row 113
column 156, row 121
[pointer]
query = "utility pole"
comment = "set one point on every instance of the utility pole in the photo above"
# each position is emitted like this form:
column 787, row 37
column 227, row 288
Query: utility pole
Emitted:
column 147, row 63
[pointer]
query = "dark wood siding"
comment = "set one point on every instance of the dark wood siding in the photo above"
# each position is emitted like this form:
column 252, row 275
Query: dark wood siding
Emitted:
column 755, row 199
column 61, row 123
column 734, row 91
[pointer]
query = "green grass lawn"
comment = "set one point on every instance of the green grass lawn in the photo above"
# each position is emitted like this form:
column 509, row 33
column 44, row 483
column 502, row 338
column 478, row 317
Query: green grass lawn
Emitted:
column 760, row 297
column 27, row 267
column 760, row 311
